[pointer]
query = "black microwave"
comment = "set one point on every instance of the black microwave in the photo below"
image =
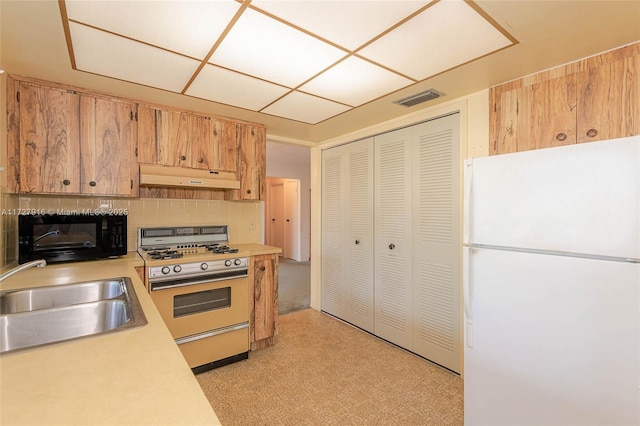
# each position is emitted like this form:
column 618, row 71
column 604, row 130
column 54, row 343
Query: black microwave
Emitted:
column 71, row 238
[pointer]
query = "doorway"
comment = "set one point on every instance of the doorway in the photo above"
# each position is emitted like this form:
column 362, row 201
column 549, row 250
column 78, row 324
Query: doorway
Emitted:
column 283, row 216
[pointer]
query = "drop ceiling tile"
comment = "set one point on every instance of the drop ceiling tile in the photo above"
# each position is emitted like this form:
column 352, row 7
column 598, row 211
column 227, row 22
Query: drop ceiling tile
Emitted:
column 355, row 81
column 260, row 46
column 305, row 108
column 228, row 87
column 444, row 36
column 107, row 54
column 349, row 24
column 187, row 27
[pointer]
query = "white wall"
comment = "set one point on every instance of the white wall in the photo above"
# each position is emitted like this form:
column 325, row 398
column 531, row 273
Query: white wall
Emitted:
column 282, row 168
column 474, row 137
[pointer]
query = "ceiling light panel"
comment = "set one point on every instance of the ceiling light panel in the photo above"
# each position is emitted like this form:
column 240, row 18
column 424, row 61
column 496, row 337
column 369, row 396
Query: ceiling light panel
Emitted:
column 306, row 108
column 444, row 36
column 260, row 46
column 355, row 81
column 113, row 56
column 228, row 87
column 187, row 27
column 349, row 24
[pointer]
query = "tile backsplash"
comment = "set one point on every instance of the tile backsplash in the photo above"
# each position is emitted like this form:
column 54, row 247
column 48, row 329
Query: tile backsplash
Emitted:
column 243, row 217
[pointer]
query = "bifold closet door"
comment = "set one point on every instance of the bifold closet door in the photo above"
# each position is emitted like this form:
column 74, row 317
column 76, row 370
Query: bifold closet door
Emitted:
column 347, row 233
column 436, row 222
column 333, row 224
column 358, row 242
column 392, row 249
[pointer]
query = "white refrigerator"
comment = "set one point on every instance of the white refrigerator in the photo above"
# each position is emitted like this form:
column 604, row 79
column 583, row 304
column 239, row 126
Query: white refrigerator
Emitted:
column 552, row 286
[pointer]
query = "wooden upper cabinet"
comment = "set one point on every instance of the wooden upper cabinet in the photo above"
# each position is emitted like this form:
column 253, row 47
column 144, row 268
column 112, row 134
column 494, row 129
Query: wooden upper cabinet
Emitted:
column 251, row 166
column 107, row 149
column 47, row 133
column 609, row 96
column 532, row 114
column 597, row 98
column 225, row 148
column 174, row 138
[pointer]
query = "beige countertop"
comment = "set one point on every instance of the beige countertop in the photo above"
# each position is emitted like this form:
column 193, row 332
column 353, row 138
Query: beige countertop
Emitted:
column 257, row 249
column 131, row 377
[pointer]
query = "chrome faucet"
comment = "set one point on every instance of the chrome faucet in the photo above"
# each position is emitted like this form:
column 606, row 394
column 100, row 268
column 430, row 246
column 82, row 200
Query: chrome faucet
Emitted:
column 37, row 263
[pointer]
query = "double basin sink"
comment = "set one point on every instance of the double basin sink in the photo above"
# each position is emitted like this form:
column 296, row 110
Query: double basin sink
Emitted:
column 46, row 315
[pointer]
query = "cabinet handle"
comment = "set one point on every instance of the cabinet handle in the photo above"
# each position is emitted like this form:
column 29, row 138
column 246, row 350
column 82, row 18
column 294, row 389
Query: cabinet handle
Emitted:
column 263, row 268
column 288, row 220
column 92, row 183
column 592, row 133
column 248, row 191
column 392, row 246
column 357, row 242
column 561, row 136
column 201, row 160
column 273, row 220
column 66, row 182
column 182, row 158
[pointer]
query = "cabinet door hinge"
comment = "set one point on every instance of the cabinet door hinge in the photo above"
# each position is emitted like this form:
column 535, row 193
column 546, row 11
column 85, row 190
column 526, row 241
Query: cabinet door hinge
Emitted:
column 131, row 112
column 136, row 151
column 136, row 115
column 18, row 97
column 131, row 183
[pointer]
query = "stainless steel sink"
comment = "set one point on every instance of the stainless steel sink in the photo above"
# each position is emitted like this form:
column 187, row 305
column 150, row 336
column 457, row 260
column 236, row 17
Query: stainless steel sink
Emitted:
column 59, row 295
column 46, row 315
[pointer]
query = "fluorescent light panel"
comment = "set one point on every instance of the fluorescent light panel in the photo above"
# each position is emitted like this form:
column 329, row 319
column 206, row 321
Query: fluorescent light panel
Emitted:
column 262, row 58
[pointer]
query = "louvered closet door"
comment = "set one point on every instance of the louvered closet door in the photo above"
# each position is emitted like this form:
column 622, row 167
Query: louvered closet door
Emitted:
column 436, row 239
column 333, row 207
column 392, row 217
column 358, row 243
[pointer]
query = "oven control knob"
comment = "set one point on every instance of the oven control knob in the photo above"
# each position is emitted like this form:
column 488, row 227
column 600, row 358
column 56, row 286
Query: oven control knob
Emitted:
column 177, row 268
column 237, row 262
column 227, row 262
column 166, row 270
column 204, row 266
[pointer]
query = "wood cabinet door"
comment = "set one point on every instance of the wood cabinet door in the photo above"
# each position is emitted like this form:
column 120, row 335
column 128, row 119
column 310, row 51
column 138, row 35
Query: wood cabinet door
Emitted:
column 265, row 297
column 609, row 97
column 147, row 136
column 48, row 139
column 200, row 135
column 174, row 144
column 108, row 161
column 225, row 148
column 532, row 116
column 251, row 166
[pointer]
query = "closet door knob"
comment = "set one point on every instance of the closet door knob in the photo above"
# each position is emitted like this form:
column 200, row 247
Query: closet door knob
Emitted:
column 592, row 133
column 357, row 241
column 392, row 246
column 561, row 136
column 66, row 182
column 92, row 183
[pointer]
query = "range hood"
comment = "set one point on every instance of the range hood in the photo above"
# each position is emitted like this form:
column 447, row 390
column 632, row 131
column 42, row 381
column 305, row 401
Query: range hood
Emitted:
column 168, row 176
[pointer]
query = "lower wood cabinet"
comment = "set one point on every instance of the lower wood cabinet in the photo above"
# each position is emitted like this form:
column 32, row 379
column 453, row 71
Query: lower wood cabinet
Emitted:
column 263, row 300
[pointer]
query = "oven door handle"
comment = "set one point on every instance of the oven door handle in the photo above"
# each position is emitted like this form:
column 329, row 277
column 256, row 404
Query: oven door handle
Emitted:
column 212, row 333
column 158, row 285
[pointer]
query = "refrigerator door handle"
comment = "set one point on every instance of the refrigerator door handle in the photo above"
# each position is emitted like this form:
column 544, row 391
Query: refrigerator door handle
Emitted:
column 468, row 175
column 466, row 290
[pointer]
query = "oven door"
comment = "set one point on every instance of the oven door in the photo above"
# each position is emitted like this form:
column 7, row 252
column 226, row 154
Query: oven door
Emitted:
column 194, row 309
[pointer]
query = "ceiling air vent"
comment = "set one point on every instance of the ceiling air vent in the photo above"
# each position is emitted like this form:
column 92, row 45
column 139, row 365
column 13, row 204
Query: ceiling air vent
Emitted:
column 419, row 98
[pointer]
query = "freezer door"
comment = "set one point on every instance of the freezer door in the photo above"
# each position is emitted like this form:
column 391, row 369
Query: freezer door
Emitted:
column 556, row 340
column 580, row 198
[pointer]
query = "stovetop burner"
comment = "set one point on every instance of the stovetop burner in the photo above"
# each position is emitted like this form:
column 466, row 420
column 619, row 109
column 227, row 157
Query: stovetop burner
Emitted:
column 164, row 254
column 220, row 249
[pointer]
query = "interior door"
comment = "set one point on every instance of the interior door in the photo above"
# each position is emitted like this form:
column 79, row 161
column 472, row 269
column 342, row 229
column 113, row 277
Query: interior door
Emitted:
column 291, row 220
column 393, row 235
column 276, row 222
column 436, row 241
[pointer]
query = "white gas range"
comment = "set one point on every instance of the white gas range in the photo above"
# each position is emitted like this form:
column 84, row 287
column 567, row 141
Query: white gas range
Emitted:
column 200, row 287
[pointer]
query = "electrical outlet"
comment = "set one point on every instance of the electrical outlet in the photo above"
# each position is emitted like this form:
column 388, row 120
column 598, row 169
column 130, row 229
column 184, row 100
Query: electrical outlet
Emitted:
column 105, row 204
column 252, row 225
